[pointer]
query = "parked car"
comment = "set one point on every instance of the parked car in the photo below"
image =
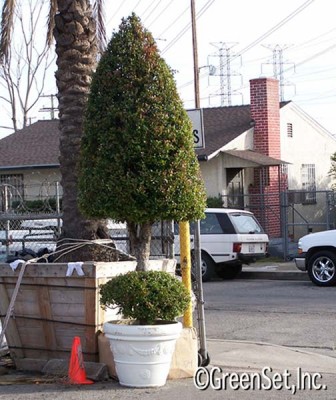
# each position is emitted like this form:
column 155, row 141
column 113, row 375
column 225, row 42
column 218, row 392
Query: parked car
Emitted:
column 317, row 256
column 229, row 239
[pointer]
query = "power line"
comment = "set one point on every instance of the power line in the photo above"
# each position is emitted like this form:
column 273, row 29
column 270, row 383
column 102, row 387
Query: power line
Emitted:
column 118, row 9
column 186, row 28
column 137, row 4
column 162, row 11
column 277, row 26
column 151, row 12
column 174, row 22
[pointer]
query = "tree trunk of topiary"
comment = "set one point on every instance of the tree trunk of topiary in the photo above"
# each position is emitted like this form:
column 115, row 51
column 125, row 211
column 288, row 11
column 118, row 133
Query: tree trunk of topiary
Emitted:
column 140, row 238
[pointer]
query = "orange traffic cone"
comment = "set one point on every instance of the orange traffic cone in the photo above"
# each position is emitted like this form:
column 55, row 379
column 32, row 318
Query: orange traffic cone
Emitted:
column 77, row 373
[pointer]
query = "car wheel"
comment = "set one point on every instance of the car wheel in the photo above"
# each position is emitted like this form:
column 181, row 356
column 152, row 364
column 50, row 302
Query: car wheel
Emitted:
column 322, row 268
column 229, row 272
column 207, row 267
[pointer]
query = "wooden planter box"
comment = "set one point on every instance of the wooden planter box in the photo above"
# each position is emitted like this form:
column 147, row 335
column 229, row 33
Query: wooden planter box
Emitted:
column 51, row 309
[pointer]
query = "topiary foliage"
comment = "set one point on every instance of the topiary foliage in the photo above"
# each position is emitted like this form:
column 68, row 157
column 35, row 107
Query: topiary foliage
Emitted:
column 146, row 296
column 138, row 162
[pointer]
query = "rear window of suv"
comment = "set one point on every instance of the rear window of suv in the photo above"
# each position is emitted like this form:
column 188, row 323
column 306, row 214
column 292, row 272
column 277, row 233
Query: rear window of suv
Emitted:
column 245, row 223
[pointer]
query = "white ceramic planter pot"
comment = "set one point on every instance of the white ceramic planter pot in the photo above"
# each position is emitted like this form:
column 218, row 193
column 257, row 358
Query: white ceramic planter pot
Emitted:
column 142, row 353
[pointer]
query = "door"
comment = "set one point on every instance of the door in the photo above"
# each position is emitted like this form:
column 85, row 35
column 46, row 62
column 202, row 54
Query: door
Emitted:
column 235, row 188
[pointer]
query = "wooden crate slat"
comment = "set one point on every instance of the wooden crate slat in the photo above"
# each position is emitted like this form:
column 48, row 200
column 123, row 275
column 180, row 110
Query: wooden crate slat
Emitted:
column 11, row 330
column 45, row 310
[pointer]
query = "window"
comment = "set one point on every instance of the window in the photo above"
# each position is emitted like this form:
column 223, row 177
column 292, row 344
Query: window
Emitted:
column 245, row 223
column 15, row 182
column 284, row 169
column 210, row 225
column 289, row 130
column 308, row 183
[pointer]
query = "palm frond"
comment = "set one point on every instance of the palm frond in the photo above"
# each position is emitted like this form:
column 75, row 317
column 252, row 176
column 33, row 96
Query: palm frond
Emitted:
column 51, row 21
column 7, row 19
column 99, row 16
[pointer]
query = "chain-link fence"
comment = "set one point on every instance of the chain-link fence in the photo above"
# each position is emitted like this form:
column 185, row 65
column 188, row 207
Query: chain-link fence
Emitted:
column 306, row 212
column 289, row 215
column 31, row 221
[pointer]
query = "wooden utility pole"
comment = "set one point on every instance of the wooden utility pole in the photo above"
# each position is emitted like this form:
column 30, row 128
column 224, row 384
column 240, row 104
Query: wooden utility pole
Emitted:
column 52, row 107
column 195, row 55
column 197, row 234
column 203, row 353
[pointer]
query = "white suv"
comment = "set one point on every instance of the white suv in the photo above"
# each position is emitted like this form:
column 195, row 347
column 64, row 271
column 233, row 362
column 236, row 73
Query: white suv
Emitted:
column 229, row 239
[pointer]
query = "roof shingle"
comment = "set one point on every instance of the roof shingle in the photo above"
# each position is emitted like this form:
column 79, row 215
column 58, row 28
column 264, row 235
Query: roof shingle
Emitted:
column 35, row 145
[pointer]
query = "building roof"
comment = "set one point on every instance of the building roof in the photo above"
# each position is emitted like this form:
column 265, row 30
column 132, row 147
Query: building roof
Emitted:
column 36, row 145
column 224, row 124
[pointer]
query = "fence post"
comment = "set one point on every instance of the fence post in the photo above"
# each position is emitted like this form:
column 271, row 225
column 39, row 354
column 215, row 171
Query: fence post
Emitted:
column 284, row 223
column 328, row 209
column 7, row 225
column 58, row 209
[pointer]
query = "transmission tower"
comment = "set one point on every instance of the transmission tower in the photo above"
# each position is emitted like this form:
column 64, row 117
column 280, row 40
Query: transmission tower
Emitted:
column 278, row 67
column 224, row 70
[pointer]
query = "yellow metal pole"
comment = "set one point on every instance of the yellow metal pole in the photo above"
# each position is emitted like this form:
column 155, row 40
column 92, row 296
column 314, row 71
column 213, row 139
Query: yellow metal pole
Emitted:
column 185, row 261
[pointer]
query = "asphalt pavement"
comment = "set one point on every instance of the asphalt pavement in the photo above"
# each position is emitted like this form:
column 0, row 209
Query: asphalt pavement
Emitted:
column 235, row 367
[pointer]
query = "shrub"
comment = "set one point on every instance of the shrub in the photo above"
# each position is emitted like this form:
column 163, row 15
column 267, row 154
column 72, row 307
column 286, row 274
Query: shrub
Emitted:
column 146, row 296
column 215, row 202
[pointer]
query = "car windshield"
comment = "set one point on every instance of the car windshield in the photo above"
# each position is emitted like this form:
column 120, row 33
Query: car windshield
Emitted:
column 245, row 223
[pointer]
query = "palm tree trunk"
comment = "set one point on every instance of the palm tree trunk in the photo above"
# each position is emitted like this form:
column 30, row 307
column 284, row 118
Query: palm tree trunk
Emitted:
column 76, row 48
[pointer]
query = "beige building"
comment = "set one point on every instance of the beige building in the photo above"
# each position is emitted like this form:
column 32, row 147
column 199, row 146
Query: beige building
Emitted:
column 29, row 161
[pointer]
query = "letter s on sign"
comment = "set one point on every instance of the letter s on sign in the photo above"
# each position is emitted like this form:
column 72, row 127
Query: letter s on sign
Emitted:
column 196, row 137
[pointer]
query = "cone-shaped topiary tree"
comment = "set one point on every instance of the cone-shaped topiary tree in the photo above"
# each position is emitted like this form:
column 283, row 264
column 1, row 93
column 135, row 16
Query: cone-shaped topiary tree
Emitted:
column 137, row 158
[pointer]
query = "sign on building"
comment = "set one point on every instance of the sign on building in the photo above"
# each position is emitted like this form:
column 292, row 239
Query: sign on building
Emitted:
column 196, row 117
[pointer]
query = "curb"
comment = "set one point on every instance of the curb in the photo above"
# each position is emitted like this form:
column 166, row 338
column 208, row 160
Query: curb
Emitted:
column 247, row 355
column 275, row 275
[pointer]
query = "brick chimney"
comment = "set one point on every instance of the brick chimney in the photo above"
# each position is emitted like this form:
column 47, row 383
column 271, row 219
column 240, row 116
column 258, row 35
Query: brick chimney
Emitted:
column 268, row 181
column 264, row 103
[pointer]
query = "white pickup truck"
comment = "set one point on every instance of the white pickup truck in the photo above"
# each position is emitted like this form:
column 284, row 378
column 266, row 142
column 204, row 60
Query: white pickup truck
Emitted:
column 317, row 255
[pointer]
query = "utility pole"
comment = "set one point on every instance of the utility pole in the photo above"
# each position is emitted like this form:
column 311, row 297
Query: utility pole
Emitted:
column 195, row 55
column 203, row 354
column 52, row 107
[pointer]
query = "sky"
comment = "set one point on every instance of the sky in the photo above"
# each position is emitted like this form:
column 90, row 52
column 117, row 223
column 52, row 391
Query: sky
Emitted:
column 246, row 33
